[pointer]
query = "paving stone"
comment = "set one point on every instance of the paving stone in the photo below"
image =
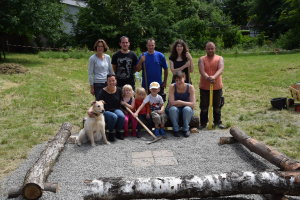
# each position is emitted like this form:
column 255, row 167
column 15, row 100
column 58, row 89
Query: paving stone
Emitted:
column 142, row 162
column 162, row 153
column 165, row 161
column 144, row 154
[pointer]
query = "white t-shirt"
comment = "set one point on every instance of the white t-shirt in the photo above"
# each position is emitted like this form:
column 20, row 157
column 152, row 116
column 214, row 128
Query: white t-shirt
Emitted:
column 155, row 102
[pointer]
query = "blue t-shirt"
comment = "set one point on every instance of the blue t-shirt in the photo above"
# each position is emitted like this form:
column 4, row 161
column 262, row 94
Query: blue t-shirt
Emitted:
column 154, row 64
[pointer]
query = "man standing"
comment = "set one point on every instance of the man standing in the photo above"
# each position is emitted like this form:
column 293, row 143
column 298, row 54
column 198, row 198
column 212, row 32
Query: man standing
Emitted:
column 152, row 62
column 124, row 64
column 211, row 68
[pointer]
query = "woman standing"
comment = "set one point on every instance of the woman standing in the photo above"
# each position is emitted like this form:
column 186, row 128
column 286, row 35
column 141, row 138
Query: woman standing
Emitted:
column 181, row 60
column 181, row 104
column 99, row 67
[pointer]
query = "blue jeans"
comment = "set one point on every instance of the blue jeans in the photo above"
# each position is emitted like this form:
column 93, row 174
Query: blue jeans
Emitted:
column 185, row 113
column 114, row 120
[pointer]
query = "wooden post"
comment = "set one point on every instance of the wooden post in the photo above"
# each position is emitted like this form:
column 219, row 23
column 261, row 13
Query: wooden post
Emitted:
column 224, row 184
column 280, row 160
column 34, row 181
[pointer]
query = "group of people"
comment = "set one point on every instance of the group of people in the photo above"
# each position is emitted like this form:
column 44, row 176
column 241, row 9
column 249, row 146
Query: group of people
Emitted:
column 113, row 81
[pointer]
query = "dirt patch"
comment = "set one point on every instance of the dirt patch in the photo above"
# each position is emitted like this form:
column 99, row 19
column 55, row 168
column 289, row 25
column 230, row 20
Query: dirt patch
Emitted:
column 12, row 68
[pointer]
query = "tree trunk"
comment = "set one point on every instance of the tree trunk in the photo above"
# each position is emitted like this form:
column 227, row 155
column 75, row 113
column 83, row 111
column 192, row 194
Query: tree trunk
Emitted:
column 34, row 181
column 224, row 184
column 280, row 160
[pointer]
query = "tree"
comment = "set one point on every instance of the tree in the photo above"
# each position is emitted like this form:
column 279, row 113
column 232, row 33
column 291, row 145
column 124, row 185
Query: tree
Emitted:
column 31, row 18
column 265, row 17
column 289, row 17
column 237, row 10
column 195, row 21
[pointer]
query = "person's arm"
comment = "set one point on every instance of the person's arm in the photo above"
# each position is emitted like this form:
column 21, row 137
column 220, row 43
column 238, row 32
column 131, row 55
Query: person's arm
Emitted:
column 91, row 75
column 165, row 67
column 140, row 63
column 201, row 68
column 114, row 67
column 162, row 109
column 171, row 95
column 110, row 69
column 164, row 84
column 191, row 102
column 173, row 70
column 139, row 109
column 130, row 106
column 190, row 60
column 220, row 69
column 135, row 62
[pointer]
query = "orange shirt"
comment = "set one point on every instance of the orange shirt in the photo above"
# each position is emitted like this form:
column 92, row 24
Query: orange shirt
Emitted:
column 211, row 67
column 138, row 103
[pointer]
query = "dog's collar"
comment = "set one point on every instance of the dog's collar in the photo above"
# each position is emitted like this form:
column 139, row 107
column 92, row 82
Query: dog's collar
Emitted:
column 97, row 114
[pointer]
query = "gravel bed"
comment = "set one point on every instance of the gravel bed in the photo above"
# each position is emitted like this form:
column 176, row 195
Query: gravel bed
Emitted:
column 198, row 155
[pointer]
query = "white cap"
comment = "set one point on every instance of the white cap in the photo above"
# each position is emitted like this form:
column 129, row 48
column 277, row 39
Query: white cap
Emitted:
column 154, row 85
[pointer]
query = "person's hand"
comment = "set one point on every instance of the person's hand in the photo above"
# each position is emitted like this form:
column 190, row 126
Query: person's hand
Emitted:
column 92, row 91
column 123, row 103
column 148, row 116
column 160, row 111
column 90, row 112
column 163, row 84
column 189, row 56
column 135, row 115
column 211, row 79
column 143, row 58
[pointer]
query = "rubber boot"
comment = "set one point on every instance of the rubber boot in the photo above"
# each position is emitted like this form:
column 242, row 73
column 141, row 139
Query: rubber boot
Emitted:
column 111, row 136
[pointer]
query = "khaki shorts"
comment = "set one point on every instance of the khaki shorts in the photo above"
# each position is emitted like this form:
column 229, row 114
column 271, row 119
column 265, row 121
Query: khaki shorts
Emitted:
column 158, row 119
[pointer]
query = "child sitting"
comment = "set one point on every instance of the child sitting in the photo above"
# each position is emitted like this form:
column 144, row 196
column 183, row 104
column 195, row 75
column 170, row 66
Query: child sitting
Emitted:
column 144, row 113
column 157, row 109
column 128, row 101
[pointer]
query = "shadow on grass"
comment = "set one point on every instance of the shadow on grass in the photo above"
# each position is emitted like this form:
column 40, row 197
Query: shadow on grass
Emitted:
column 26, row 62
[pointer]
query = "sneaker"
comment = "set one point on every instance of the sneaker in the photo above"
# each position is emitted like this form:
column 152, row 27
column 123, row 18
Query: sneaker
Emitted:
column 176, row 133
column 111, row 136
column 139, row 134
column 221, row 126
column 186, row 133
column 156, row 132
column 162, row 132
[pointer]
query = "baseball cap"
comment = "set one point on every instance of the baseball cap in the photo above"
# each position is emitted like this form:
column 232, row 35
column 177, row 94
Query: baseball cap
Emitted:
column 154, row 85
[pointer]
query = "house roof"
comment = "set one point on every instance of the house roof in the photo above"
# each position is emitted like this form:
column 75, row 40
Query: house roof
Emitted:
column 76, row 3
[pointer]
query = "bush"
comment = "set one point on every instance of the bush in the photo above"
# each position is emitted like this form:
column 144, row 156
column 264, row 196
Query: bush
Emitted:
column 248, row 42
column 290, row 40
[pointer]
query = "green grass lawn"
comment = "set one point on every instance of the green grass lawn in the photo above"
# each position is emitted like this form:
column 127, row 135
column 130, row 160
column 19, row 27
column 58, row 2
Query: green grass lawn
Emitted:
column 34, row 105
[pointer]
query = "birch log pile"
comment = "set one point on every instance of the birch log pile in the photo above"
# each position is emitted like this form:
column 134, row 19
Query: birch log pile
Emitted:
column 279, row 159
column 35, row 179
column 224, row 184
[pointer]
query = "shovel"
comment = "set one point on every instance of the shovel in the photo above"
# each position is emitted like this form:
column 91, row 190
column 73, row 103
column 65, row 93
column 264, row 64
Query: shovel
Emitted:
column 210, row 108
column 145, row 127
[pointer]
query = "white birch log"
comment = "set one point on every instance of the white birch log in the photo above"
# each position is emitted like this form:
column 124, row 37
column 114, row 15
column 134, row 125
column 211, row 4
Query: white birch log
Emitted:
column 224, row 184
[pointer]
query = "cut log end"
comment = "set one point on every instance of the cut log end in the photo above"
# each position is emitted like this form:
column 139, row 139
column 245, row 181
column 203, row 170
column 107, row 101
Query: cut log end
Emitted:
column 32, row 191
column 227, row 140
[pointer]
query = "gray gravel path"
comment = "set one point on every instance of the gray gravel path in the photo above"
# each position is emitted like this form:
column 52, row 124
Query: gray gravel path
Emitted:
column 199, row 155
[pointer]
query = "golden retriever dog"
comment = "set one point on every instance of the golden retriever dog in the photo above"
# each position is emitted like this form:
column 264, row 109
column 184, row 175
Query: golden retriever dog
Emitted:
column 94, row 127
